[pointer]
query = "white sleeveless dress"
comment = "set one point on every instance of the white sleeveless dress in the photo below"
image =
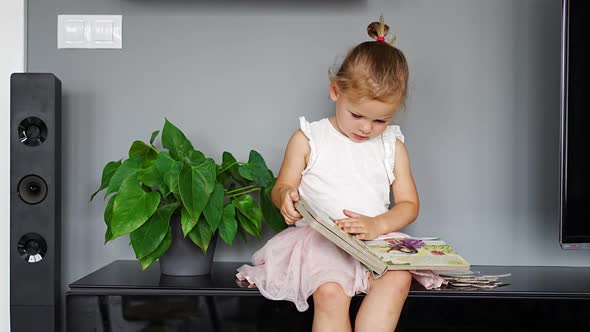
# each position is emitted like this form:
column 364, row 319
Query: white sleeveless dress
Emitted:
column 340, row 174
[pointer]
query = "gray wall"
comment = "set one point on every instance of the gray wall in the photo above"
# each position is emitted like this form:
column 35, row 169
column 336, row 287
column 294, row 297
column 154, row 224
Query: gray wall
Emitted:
column 481, row 121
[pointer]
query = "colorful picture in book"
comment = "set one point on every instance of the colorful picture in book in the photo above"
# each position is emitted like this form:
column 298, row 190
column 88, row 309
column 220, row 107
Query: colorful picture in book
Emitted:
column 406, row 246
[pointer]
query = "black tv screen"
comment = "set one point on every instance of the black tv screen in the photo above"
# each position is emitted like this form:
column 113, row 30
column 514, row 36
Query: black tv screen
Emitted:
column 575, row 126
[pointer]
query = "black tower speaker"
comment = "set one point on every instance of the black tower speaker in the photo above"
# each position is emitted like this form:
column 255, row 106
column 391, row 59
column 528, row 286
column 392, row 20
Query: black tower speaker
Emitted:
column 35, row 230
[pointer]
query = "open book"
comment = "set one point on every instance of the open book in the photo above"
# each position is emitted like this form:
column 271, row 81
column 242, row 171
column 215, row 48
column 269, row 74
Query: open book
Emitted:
column 384, row 253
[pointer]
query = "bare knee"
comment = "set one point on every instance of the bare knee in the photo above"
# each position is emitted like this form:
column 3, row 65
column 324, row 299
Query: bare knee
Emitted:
column 330, row 297
column 396, row 283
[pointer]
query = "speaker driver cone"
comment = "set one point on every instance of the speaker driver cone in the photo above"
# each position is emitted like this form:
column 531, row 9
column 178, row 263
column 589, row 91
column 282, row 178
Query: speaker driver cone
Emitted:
column 32, row 189
column 32, row 247
column 32, row 131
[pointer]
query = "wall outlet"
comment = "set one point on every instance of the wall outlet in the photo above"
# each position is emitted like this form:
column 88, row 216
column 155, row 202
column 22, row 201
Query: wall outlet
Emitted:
column 89, row 31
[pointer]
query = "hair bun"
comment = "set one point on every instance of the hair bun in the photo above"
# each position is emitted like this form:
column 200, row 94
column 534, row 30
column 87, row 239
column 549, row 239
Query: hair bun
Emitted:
column 377, row 29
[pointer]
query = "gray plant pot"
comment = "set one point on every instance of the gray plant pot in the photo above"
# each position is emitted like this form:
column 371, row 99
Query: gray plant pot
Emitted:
column 184, row 258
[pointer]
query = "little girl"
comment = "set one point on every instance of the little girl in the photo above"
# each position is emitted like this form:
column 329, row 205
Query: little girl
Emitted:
column 346, row 165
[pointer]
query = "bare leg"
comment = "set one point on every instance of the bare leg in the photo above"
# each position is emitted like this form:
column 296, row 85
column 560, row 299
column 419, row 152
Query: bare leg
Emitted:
column 381, row 308
column 331, row 307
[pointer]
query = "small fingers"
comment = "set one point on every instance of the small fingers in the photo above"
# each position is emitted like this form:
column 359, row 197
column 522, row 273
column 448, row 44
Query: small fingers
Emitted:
column 353, row 230
column 288, row 209
column 290, row 215
column 290, row 220
column 351, row 227
column 351, row 214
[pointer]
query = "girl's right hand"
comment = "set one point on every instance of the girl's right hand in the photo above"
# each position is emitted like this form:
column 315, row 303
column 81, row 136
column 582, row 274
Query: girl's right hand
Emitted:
column 288, row 198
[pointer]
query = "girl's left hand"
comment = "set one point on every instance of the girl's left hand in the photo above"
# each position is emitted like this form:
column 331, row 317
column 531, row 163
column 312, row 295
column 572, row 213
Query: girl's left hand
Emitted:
column 363, row 227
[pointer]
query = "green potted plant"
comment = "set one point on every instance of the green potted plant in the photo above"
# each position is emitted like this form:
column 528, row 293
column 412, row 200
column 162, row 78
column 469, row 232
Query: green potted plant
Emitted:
column 170, row 196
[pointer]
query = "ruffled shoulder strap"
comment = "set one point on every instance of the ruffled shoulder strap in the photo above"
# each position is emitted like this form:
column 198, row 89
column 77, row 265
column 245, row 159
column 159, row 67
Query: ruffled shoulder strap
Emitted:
column 306, row 129
column 389, row 136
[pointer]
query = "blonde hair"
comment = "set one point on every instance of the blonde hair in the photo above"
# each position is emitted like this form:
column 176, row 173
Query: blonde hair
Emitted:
column 374, row 69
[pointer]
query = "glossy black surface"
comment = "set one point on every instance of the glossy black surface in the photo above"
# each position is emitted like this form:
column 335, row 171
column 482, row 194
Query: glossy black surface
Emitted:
column 181, row 313
column 125, row 277
column 120, row 297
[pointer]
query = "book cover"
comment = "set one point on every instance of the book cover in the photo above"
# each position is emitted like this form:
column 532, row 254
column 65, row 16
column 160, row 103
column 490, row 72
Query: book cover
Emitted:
column 384, row 253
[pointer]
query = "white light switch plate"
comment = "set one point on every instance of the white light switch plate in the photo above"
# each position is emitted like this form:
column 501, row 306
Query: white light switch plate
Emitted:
column 89, row 31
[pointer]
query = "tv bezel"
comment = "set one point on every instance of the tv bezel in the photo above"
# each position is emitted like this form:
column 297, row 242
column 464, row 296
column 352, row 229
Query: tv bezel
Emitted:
column 565, row 241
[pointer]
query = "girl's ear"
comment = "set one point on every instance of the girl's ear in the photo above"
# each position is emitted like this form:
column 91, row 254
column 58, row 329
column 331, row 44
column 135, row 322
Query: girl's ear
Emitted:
column 334, row 92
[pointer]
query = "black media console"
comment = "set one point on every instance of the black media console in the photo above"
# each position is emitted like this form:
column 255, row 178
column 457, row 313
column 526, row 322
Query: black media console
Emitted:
column 120, row 297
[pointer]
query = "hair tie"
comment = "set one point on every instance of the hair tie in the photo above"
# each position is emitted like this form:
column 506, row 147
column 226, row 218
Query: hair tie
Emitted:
column 381, row 38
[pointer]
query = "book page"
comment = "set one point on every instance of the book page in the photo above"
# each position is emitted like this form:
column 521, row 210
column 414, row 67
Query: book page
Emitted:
column 417, row 253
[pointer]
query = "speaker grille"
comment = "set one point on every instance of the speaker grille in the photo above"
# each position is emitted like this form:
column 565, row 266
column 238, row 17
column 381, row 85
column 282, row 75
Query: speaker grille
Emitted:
column 32, row 189
column 32, row 247
column 32, row 131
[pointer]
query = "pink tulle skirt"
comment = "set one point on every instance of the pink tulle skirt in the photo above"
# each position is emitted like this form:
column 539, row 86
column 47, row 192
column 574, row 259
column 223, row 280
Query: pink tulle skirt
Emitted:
column 295, row 262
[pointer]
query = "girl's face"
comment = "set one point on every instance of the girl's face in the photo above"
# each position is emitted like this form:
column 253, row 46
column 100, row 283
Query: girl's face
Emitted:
column 360, row 120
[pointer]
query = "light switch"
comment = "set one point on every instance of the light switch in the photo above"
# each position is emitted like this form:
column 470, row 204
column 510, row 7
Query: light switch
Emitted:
column 89, row 31
column 74, row 32
column 102, row 31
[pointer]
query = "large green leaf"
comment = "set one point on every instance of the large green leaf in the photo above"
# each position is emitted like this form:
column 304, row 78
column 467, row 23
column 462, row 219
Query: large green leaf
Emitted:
column 187, row 222
column 230, row 166
column 249, row 225
column 201, row 234
column 228, row 226
column 174, row 140
column 271, row 214
column 247, row 205
column 256, row 170
column 132, row 207
column 213, row 211
column 249, row 214
column 196, row 183
column 127, row 169
column 108, row 217
column 196, row 157
column 169, row 169
column 162, row 248
column 107, row 173
column 146, row 153
column 146, row 238
column 152, row 177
